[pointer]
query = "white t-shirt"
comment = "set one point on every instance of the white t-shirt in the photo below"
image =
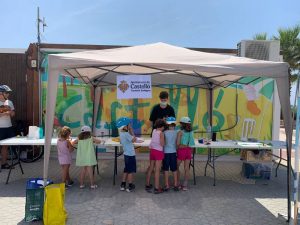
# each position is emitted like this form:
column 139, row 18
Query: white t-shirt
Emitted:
column 5, row 121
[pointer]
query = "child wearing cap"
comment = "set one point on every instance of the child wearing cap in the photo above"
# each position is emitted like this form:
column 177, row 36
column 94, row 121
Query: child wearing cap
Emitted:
column 86, row 157
column 185, row 140
column 170, row 158
column 126, row 139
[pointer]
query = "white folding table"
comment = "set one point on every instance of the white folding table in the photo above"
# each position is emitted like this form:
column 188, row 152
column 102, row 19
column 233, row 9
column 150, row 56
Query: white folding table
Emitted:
column 21, row 141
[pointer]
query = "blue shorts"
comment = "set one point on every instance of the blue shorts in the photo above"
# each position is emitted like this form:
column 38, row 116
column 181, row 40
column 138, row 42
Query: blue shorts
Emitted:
column 170, row 162
column 130, row 164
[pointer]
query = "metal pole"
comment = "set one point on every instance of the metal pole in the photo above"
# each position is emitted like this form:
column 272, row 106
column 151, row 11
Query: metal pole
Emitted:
column 38, row 64
column 296, row 168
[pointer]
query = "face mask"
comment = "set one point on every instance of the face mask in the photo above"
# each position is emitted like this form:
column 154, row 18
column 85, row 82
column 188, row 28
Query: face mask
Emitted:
column 163, row 103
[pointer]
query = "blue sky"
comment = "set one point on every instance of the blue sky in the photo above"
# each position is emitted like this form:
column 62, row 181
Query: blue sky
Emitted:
column 194, row 23
column 191, row 23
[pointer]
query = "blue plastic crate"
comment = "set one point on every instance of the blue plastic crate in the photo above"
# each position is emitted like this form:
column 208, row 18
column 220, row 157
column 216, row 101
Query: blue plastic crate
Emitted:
column 34, row 183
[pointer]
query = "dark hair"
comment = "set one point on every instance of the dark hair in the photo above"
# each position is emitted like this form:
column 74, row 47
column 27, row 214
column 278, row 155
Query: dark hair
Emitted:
column 170, row 125
column 163, row 95
column 159, row 123
column 186, row 126
column 64, row 132
column 84, row 135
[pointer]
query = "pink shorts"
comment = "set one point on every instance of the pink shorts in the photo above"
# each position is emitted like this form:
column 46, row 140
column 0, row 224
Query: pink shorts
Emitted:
column 184, row 153
column 156, row 154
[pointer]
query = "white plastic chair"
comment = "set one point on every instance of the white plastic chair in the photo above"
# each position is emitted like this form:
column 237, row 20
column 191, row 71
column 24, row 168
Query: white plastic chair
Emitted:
column 247, row 128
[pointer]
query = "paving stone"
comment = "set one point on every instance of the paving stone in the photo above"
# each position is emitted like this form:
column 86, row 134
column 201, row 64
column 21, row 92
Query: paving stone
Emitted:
column 234, row 200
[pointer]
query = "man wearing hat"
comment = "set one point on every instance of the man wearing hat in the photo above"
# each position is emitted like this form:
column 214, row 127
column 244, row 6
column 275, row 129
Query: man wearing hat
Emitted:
column 7, row 111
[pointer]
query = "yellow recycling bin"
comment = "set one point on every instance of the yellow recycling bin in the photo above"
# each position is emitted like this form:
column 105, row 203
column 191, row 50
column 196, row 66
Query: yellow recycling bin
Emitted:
column 54, row 206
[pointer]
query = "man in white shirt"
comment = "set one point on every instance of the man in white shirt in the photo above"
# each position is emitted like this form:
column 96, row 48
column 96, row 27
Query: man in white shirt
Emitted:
column 7, row 111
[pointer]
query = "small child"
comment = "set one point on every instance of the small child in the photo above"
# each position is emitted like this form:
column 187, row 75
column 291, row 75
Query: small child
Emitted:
column 185, row 140
column 86, row 156
column 156, row 155
column 64, row 149
column 126, row 139
column 170, row 158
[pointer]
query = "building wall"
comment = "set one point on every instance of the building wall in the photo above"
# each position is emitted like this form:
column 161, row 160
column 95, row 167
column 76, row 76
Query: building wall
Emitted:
column 13, row 74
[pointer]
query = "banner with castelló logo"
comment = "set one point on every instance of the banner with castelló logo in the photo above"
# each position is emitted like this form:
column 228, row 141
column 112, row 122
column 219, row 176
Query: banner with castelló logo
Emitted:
column 134, row 86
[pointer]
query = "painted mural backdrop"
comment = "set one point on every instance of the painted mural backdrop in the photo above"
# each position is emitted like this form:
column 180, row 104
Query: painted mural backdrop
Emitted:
column 74, row 107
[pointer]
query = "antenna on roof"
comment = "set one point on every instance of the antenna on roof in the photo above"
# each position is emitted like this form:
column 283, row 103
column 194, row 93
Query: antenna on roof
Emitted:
column 42, row 22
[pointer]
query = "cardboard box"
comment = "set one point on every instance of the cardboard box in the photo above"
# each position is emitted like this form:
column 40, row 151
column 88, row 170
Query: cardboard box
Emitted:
column 256, row 155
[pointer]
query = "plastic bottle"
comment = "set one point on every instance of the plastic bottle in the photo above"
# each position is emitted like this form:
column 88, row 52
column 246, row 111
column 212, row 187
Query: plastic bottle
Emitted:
column 54, row 133
column 208, row 132
column 41, row 132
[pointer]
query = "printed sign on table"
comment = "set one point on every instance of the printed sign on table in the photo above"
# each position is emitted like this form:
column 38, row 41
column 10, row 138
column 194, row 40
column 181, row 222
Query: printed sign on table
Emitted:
column 134, row 86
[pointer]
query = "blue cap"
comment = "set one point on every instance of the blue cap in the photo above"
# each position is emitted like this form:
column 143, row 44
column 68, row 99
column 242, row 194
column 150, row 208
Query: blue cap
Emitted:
column 122, row 122
column 171, row 120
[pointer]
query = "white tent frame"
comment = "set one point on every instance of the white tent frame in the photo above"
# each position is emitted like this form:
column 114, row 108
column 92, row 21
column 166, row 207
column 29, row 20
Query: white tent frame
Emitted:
column 165, row 63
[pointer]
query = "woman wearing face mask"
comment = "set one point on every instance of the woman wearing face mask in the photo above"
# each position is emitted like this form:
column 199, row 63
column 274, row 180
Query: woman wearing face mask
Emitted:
column 162, row 110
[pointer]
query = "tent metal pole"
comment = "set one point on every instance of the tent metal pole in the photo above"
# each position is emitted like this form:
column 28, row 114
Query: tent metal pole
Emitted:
column 210, row 105
column 296, row 166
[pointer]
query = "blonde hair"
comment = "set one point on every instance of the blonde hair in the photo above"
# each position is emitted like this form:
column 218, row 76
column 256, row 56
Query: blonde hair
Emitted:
column 64, row 132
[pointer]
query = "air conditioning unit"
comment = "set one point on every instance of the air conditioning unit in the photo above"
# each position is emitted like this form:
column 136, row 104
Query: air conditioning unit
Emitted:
column 257, row 49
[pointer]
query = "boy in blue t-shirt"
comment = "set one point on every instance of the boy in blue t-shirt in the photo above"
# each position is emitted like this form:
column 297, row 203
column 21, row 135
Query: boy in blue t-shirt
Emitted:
column 126, row 139
column 170, row 158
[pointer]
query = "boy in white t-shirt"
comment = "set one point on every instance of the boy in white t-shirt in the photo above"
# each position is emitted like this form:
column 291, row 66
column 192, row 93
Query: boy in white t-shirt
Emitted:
column 7, row 111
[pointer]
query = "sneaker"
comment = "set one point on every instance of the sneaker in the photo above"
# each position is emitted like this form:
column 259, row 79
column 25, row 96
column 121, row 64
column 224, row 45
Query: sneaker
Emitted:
column 149, row 187
column 122, row 186
column 158, row 190
column 185, row 188
column 176, row 188
column 95, row 186
column 70, row 183
column 130, row 188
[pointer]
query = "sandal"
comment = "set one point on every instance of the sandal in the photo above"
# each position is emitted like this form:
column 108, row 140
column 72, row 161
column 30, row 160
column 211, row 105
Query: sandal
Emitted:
column 158, row 190
column 94, row 186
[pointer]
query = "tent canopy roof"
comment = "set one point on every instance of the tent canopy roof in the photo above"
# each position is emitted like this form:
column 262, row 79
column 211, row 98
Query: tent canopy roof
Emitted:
column 166, row 63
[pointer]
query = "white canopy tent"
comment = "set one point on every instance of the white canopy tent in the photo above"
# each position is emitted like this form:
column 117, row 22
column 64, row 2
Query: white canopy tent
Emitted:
column 166, row 64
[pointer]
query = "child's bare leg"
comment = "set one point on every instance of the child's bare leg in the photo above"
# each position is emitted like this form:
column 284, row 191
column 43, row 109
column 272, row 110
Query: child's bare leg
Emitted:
column 149, row 172
column 130, row 178
column 91, row 175
column 124, row 177
column 157, row 173
column 186, row 170
column 178, row 170
column 175, row 178
column 166, row 173
column 64, row 173
column 68, row 173
column 82, row 175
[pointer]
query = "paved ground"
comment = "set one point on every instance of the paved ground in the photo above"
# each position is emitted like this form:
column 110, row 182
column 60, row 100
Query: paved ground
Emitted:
column 233, row 201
